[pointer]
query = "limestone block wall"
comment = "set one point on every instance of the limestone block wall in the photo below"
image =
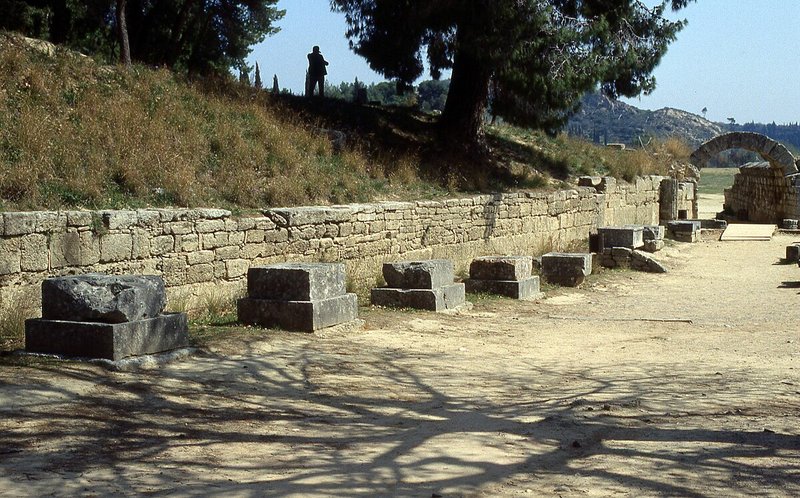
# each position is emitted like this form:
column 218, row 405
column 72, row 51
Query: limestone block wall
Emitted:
column 209, row 250
column 761, row 193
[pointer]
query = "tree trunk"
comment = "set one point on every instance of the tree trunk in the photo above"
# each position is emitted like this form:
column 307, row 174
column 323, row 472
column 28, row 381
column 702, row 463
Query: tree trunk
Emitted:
column 122, row 31
column 462, row 119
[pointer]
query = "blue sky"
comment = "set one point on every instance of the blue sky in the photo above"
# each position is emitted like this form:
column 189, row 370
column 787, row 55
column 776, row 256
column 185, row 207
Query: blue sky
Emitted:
column 738, row 58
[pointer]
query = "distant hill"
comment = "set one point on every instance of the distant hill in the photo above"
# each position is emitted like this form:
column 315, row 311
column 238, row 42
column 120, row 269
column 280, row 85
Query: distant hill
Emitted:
column 604, row 120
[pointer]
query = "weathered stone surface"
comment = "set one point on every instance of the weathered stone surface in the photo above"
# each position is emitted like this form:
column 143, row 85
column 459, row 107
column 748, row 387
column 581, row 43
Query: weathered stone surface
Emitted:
column 525, row 288
column 628, row 236
column 653, row 245
column 501, row 268
column 567, row 269
column 644, row 262
column 652, row 232
column 683, row 227
column 793, row 253
column 685, row 236
column 112, row 341
column 446, row 297
column 296, row 281
column 103, row 298
column 303, row 316
column 776, row 153
column 428, row 274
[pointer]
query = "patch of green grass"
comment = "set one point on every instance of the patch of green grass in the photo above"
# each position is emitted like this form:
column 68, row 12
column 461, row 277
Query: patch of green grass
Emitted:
column 715, row 180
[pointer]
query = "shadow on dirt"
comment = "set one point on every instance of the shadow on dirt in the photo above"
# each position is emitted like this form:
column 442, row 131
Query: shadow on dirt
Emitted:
column 292, row 424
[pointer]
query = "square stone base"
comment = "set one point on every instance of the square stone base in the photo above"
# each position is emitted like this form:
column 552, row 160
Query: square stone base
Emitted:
column 527, row 288
column 685, row 236
column 111, row 341
column 442, row 298
column 300, row 316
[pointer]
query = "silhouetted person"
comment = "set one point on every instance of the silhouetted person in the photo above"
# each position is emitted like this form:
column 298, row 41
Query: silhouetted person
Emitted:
column 316, row 72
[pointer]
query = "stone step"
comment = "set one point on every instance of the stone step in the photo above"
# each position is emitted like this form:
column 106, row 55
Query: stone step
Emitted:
column 425, row 274
column 501, row 268
column 301, row 316
column 111, row 341
column 524, row 289
column 446, row 297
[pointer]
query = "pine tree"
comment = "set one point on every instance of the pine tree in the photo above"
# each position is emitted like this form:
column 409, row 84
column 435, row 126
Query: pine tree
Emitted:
column 257, row 82
column 541, row 56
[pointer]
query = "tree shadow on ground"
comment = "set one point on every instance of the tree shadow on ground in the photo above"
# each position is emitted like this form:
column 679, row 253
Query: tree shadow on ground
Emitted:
column 294, row 422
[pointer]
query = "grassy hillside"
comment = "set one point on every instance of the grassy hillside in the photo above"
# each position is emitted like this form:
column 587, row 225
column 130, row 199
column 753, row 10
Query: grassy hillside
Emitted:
column 74, row 133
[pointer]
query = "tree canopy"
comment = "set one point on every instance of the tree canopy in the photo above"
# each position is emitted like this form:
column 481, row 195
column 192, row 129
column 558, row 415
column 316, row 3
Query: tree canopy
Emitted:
column 196, row 36
column 532, row 59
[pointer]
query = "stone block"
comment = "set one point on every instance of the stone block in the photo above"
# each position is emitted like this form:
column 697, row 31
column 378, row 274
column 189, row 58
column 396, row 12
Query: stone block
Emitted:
column 793, row 253
column 525, row 288
column 644, row 262
column 446, row 297
column 303, row 316
column 653, row 232
column 116, row 247
column 103, row 298
column 629, row 236
column 567, row 269
column 501, row 268
column 112, row 341
column 653, row 245
column 296, row 281
column 684, row 226
column 35, row 255
column 10, row 256
column 427, row 274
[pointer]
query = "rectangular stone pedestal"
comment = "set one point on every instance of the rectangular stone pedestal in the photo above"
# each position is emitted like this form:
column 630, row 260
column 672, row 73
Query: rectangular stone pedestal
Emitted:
column 527, row 288
column 442, row 298
column 112, row 341
column 567, row 269
column 630, row 237
column 301, row 316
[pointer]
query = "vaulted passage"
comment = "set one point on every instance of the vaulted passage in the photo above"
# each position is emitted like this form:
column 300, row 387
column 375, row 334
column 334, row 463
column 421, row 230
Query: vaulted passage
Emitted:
column 773, row 152
column 761, row 192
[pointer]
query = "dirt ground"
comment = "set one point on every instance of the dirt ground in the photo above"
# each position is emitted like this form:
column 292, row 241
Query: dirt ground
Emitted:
column 678, row 384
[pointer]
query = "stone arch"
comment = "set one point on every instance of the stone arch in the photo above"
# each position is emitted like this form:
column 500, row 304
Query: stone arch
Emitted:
column 774, row 152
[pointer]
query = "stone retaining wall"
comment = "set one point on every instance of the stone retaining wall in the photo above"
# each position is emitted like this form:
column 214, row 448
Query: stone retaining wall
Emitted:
column 761, row 193
column 208, row 250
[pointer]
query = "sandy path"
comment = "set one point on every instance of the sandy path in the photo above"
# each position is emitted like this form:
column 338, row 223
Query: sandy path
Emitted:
column 585, row 393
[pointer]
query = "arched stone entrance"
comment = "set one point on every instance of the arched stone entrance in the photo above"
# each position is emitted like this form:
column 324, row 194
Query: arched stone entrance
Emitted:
column 773, row 152
column 761, row 192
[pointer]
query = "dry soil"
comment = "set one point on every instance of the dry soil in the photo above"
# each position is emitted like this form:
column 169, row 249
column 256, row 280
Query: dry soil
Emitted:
column 678, row 384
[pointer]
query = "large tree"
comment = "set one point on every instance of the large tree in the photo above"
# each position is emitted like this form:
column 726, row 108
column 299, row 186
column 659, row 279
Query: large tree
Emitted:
column 197, row 36
column 536, row 56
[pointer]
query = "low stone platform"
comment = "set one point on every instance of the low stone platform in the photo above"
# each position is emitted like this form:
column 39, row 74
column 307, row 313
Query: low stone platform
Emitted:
column 631, row 236
column 427, row 274
column 446, row 297
column 427, row 285
column 301, row 316
column 105, row 316
column 301, row 297
column 525, row 289
column 508, row 276
column 684, row 230
column 111, row 341
column 793, row 253
column 622, row 257
column 566, row 269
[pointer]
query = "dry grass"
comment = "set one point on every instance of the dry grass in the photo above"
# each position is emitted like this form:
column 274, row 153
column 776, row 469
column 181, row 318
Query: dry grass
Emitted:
column 75, row 133
column 13, row 313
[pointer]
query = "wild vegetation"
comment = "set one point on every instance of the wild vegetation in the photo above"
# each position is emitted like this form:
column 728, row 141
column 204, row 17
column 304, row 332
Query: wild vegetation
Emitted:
column 77, row 133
